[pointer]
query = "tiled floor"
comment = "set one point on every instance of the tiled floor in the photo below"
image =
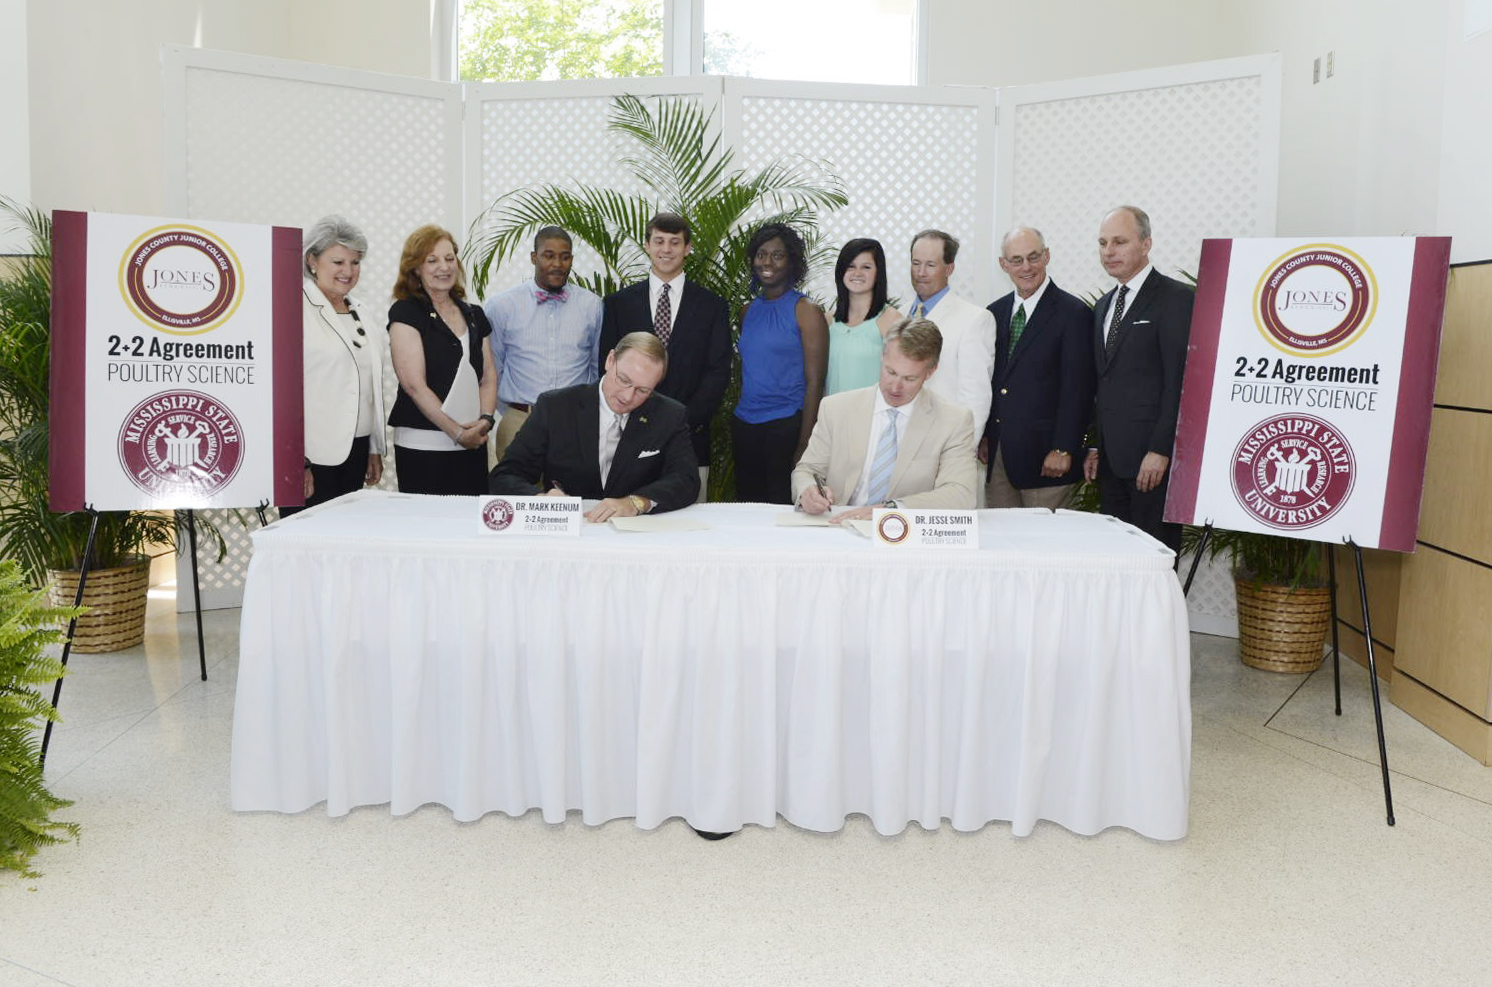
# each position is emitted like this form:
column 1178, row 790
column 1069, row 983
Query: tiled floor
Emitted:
column 1289, row 875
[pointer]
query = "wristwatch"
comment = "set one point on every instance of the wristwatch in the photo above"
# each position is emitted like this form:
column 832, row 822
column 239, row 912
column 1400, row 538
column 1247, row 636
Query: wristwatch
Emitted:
column 638, row 504
column 888, row 503
column 488, row 418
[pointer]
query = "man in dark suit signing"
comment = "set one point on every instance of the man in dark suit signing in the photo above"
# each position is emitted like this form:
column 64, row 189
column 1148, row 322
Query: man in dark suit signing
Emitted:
column 1140, row 332
column 1043, row 383
column 692, row 321
column 616, row 441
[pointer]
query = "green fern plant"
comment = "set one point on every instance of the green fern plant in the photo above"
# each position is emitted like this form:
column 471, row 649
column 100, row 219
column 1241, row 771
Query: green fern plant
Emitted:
column 28, row 626
column 682, row 169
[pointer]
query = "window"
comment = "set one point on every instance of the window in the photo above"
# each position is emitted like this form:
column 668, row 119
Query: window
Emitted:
column 870, row 41
column 517, row 40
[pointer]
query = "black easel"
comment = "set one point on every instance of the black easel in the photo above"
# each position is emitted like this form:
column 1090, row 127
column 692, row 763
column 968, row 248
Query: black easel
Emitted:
column 72, row 627
column 1336, row 666
column 191, row 520
column 1336, row 662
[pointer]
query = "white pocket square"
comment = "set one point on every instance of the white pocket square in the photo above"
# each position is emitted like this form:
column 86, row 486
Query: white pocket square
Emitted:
column 646, row 453
column 1141, row 322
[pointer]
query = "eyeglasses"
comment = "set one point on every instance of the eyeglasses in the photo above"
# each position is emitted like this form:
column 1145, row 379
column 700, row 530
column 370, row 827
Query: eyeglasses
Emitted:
column 1032, row 258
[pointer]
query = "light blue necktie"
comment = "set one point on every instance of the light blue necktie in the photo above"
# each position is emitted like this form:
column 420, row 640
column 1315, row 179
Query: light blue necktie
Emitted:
column 884, row 462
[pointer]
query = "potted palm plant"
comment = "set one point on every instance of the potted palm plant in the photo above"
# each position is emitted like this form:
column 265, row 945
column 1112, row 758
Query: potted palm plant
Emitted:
column 1283, row 593
column 49, row 545
column 681, row 169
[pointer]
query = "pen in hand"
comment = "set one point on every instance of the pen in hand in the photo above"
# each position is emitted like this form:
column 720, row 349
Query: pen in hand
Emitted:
column 818, row 481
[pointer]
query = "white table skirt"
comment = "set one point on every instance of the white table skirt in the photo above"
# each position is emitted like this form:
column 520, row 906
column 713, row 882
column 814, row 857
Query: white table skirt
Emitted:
column 389, row 654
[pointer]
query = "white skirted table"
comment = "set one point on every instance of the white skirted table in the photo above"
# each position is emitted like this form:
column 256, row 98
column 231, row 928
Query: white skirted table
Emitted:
column 390, row 654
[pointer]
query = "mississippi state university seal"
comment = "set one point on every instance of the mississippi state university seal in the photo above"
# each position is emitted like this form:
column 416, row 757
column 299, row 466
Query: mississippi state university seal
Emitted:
column 1315, row 300
column 180, row 444
column 497, row 514
column 1293, row 471
column 181, row 280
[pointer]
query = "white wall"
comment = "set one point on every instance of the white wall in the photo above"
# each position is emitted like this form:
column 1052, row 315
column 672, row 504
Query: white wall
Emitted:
column 1397, row 141
column 1466, row 145
column 15, row 131
column 95, row 78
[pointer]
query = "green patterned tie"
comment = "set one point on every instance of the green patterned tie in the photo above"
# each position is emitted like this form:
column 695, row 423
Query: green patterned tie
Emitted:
column 1017, row 326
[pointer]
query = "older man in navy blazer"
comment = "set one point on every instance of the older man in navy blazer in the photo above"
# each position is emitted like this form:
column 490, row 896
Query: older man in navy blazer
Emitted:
column 1139, row 338
column 1043, row 383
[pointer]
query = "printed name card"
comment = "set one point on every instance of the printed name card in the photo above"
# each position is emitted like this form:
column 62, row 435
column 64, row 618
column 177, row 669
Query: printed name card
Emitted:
column 898, row 526
column 530, row 515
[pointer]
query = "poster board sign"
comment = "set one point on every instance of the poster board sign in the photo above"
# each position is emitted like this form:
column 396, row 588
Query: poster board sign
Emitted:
column 176, row 364
column 1310, row 378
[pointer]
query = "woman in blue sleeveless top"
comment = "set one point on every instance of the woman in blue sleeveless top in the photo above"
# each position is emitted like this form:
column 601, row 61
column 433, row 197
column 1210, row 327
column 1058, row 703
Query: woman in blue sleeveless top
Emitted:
column 862, row 316
column 784, row 349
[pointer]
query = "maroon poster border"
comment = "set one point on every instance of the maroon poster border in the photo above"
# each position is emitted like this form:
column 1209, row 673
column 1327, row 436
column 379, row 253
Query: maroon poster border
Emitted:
column 1196, row 390
column 289, row 395
column 1417, row 367
column 68, row 416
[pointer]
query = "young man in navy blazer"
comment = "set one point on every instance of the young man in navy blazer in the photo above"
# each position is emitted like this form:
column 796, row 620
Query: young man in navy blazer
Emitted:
column 1043, row 383
column 1140, row 332
column 692, row 321
column 618, row 441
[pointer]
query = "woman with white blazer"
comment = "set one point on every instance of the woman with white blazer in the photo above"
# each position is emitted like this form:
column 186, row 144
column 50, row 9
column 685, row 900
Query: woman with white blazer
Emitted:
column 345, row 354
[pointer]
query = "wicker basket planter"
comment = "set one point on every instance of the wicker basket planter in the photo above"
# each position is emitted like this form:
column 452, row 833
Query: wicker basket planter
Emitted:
column 1282, row 629
column 115, row 599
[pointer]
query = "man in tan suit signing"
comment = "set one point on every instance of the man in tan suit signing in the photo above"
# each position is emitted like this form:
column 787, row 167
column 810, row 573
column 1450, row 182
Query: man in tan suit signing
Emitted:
column 893, row 445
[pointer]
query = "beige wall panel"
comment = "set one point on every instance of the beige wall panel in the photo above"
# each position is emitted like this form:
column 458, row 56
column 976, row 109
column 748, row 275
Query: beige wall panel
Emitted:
column 1454, row 513
column 1381, row 570
column 1445, row 627
column 1466, row 341
column 1470, row 733
column 1354, row 646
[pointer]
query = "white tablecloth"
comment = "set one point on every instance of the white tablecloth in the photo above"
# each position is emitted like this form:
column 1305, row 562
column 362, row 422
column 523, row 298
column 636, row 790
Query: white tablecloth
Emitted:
column 390, row 654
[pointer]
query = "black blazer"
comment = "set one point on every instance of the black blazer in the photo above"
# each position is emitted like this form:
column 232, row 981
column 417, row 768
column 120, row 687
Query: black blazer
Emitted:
column 558, row 444
column 1139, row 390
column 1043, row 392
column 698, row 350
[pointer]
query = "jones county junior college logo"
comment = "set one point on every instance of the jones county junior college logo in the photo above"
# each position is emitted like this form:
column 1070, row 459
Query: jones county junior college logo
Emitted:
column 1315, row 300
column 180, row 443
column 497, row 514
column 181, row 280
column 1293, row 471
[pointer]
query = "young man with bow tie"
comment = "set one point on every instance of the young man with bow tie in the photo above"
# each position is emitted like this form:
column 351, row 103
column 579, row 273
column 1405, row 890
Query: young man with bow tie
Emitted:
column 545, row 334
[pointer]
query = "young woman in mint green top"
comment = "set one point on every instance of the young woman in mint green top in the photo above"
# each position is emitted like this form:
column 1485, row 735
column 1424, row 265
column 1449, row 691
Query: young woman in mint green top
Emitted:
column 861, row 317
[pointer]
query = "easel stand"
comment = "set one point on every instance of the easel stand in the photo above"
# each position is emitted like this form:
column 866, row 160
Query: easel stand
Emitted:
column 72, row 629
column 191, row 520
column 1336, row 661
column 72, row 625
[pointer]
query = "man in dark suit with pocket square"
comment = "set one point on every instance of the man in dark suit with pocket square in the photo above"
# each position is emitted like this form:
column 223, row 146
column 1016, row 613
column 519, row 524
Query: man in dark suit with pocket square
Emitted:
column 617, row 441
column 1043, row 383
column 692, row 321
column 1140, row 332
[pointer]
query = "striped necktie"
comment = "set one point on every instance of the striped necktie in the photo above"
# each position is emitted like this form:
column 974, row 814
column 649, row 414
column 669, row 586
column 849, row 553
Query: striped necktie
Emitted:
column 884, row 462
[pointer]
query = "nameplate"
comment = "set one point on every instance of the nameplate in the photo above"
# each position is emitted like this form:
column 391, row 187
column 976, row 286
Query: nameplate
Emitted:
column 530, row 515
column 897, row 527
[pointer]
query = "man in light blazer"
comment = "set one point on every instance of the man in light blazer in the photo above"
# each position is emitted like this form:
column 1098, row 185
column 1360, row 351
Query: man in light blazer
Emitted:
column 1043, row 383
column 1139, row 338
column 692, row 321
column 896, row 444
column 617, row 441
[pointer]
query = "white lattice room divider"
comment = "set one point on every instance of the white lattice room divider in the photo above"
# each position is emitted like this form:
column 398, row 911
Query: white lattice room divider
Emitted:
column 911, row 157
column 520, row 134
column 261, row 140
column 1195, row 146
